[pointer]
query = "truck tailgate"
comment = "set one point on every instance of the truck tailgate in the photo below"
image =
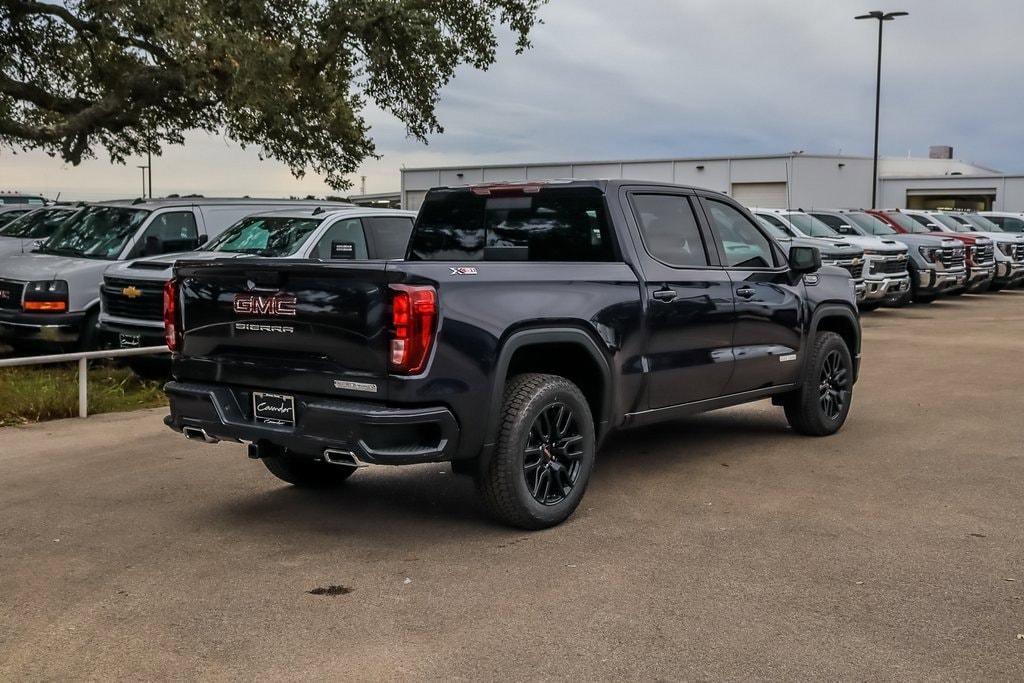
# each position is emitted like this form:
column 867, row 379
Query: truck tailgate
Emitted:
column 291, row 325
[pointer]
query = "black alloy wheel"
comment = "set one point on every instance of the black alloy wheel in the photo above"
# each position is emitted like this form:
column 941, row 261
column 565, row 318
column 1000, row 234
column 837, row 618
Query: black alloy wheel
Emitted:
column 834, row 389
column 551, row 460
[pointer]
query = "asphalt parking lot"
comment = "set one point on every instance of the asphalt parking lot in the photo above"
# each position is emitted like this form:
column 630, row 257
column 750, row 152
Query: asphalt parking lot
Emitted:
column 722, row 546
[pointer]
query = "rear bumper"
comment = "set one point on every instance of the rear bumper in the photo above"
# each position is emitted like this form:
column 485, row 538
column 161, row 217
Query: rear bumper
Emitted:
column 61, row 328
column 375, row 434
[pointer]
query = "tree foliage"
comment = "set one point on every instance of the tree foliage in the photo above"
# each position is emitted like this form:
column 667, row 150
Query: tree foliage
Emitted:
column 290, row 76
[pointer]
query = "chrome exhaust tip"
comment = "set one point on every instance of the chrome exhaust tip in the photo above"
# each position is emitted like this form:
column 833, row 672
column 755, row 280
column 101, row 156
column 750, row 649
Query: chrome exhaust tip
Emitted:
column 343, row 458
column 198, row 434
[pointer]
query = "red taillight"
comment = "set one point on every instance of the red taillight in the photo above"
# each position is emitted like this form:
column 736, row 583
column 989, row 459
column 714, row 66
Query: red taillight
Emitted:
column 171, row 314
column 413, row 318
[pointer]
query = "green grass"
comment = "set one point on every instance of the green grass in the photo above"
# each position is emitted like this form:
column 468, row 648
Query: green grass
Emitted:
column 50, row 392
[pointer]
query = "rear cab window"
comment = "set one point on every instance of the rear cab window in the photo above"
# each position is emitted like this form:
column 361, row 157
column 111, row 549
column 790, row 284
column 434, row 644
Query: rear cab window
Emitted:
column 509, row 224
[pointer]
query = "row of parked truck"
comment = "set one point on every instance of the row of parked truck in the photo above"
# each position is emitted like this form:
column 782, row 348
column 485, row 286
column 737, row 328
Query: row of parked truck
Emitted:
column 89, row 275
column 506, row 328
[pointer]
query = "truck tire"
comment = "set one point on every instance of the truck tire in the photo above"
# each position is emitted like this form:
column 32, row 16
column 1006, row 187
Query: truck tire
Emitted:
column 544, row 453
column 820, row 406
column 307, row 473
column 868, row 306
column 89, row 337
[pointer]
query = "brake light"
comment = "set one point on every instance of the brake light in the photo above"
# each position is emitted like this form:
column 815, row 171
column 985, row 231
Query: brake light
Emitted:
column 46, row 306
column 171, row 331
column 413, row 319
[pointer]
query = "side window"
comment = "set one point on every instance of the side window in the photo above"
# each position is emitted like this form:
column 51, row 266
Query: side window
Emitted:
column 1013, row 224
column 390, row 235
column 343, row 240
column 669, row 229
column 743, row 245
column 168, row 233
column 836, row 223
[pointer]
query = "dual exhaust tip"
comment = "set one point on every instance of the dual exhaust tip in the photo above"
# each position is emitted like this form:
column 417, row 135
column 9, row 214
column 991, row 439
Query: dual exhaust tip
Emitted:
column 332, row 456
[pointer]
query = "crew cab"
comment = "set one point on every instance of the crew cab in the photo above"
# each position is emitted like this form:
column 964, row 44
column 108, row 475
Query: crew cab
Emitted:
column 132, row 292
column 527, row 323
column 938, row 264
column 31, row 228
column 53, row 293
column 886, row 277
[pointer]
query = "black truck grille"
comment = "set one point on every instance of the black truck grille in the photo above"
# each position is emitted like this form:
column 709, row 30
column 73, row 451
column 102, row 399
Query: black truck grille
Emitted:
column 10, row 294
column 953, row 257
column 856, row 272
column 984, row 255
column 892, row 266
column 1017, row 251
column 138, row 300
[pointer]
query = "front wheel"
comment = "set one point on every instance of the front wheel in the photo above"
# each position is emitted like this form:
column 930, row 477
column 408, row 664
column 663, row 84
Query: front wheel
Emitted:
column 544, row 453
column 820, row 406
column 868, row 306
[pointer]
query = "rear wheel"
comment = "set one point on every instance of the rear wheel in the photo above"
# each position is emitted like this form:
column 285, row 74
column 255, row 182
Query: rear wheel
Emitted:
column 820, row 406
column 544, row 453
column 304, row 472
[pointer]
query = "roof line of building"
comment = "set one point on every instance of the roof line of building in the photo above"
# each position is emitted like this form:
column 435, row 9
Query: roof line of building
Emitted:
column 738, row 157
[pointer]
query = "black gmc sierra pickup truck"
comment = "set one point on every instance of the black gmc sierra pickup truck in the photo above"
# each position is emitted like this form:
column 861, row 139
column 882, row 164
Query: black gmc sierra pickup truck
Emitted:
column 527, row 323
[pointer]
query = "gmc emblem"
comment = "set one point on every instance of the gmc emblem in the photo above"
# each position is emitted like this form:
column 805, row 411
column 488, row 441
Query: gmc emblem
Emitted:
column 5, row 294
column 275, row 304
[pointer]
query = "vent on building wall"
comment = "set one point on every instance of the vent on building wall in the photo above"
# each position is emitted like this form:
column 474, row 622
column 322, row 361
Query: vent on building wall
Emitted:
column 940, row 152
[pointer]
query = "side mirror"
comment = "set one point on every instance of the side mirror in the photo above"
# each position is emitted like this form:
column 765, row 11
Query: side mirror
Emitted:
column 203, row 239
column 804, row 259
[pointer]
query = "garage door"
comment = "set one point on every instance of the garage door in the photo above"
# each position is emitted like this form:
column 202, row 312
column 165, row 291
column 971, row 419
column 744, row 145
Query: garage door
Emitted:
column 767, row 195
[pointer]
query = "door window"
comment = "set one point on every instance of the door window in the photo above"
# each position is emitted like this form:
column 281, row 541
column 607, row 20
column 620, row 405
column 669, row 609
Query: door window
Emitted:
column 344, row 240
column 743, row 245
column 838, row 224
column 390, row 235
column 168, row 233
column 669, row 229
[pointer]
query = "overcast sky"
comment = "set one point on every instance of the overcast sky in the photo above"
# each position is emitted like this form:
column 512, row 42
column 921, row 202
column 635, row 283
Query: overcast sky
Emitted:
column 610, row 79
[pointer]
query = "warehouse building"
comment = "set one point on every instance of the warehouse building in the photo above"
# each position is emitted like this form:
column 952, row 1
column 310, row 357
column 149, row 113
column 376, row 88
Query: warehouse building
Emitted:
column 784, row 180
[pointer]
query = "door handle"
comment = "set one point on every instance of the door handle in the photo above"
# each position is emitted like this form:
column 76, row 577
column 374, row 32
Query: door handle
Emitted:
column 665, row 294
column 745, row 292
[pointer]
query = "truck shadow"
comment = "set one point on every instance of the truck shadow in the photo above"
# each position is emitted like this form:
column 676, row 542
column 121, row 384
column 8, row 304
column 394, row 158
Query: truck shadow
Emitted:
column 406, row 502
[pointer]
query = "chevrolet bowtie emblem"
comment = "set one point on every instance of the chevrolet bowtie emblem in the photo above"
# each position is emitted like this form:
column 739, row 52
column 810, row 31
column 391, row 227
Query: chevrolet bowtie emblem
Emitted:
column 132, row 292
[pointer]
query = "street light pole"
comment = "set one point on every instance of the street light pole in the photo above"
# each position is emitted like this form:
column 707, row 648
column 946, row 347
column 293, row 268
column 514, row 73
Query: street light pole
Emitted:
column 143, row 169
column 881, row 17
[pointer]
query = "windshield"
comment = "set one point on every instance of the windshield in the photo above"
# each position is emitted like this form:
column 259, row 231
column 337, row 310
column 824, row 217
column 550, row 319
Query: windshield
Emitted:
column 38, row 224
column 981, row 223
column 265, row 236
column 870, row 224
column 908, row 223
column 811, row 226
column 952, row 222
column 95, row 232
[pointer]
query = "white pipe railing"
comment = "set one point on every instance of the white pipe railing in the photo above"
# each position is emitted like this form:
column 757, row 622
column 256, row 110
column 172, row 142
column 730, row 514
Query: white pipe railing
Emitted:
column 82, row 359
